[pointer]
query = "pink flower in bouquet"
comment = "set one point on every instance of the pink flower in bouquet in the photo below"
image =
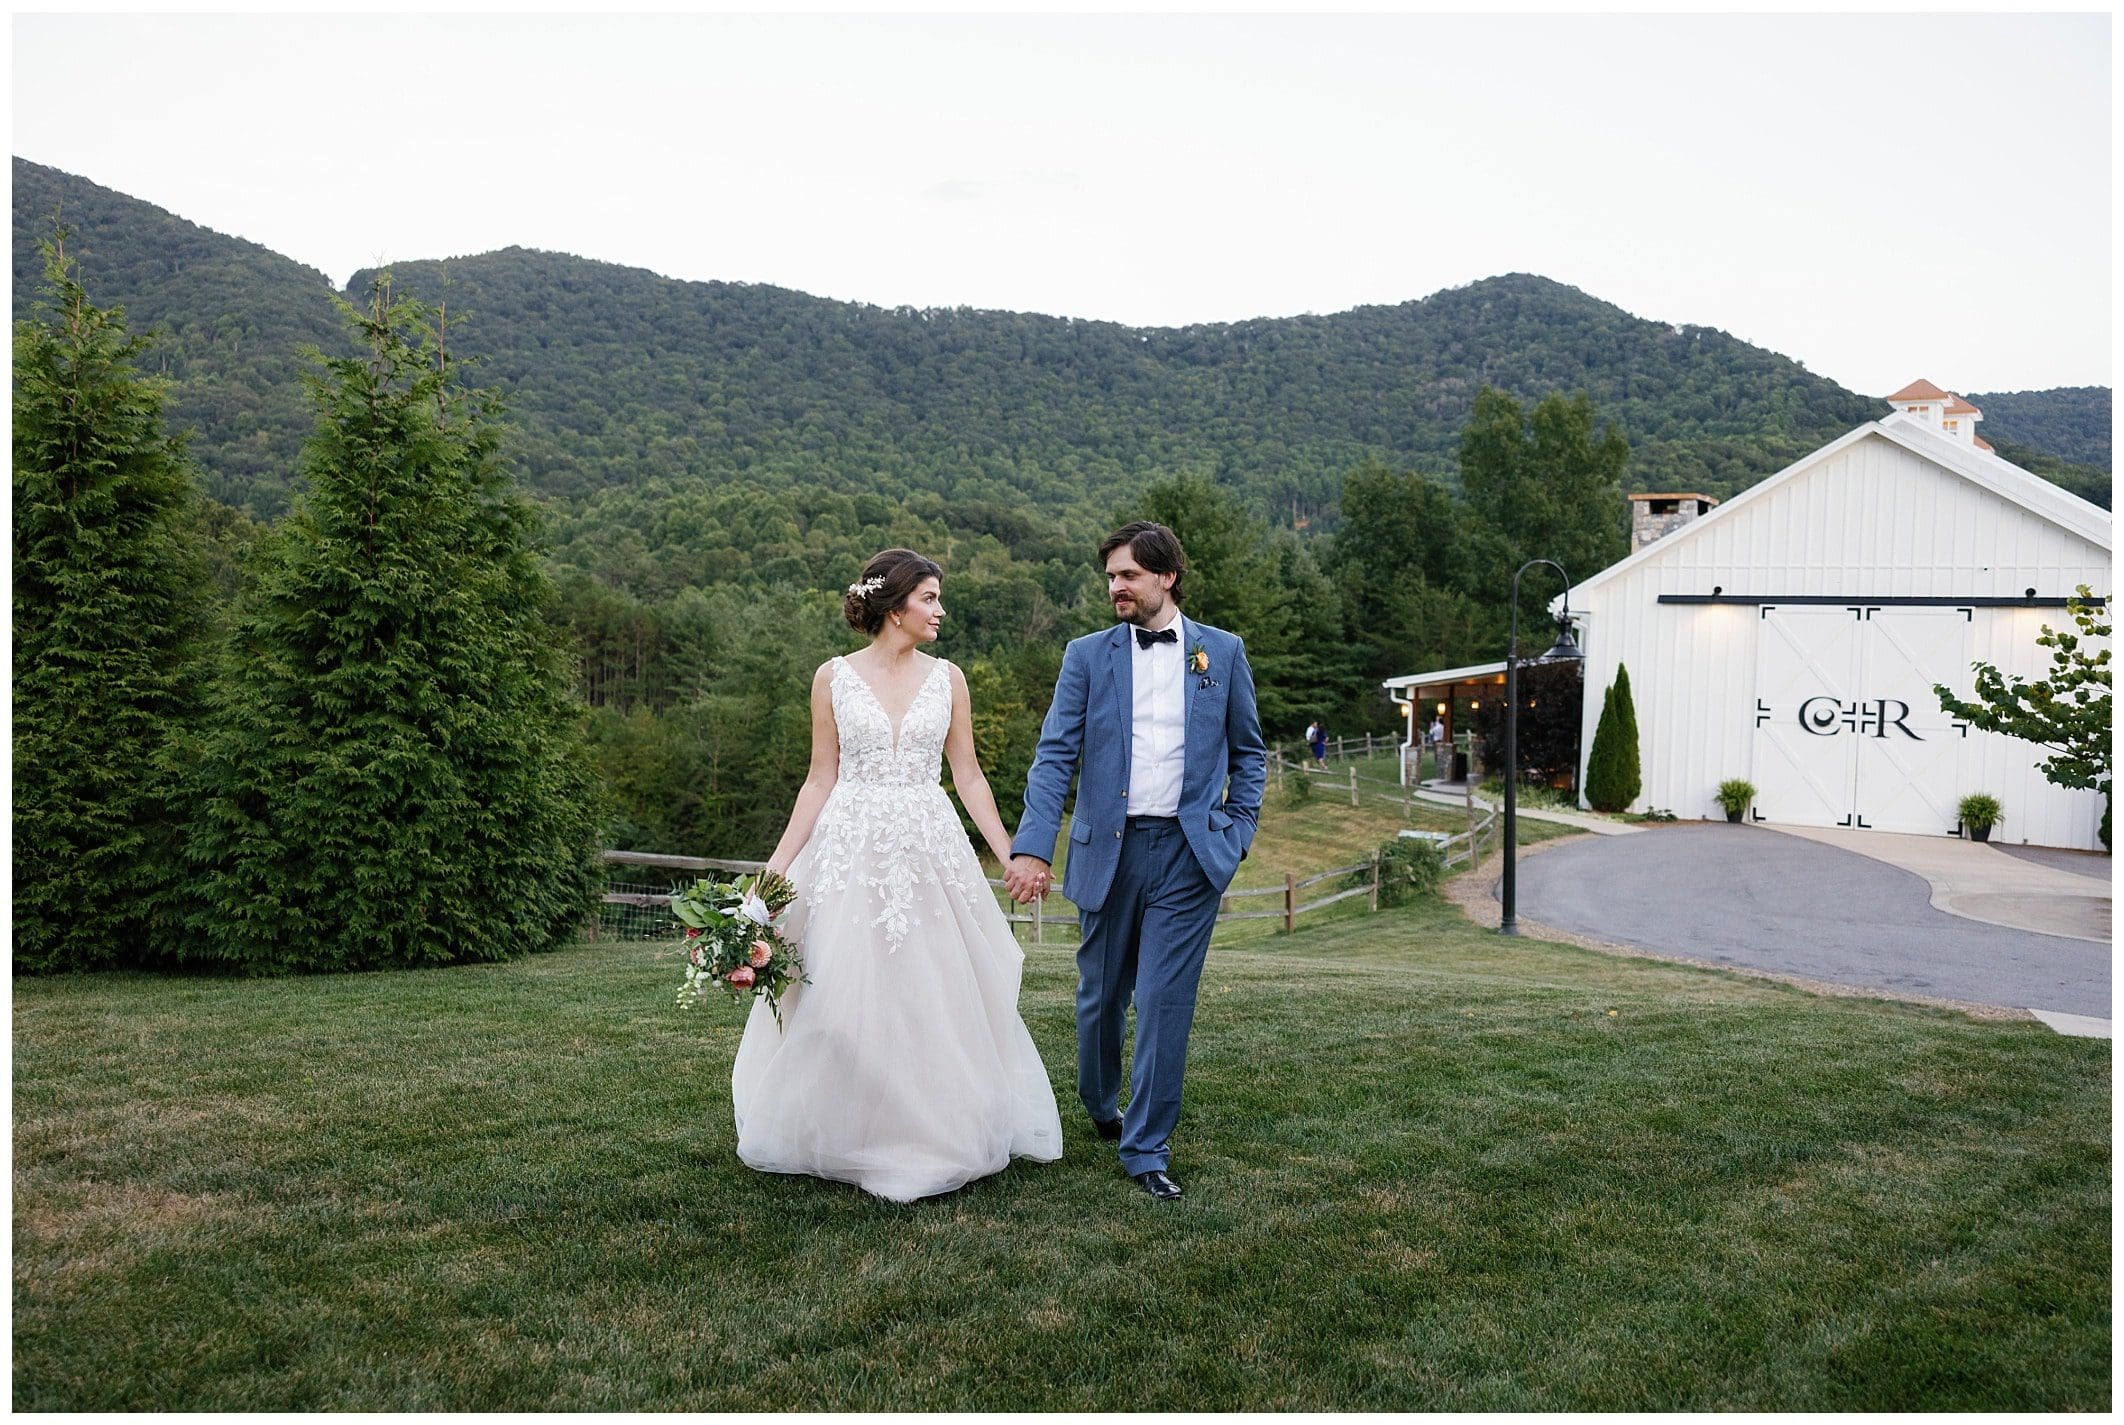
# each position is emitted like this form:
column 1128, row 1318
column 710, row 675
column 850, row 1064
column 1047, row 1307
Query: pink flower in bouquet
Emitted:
column 761, row 954
column 693, row 933
column 699, row 956
column 740, row 977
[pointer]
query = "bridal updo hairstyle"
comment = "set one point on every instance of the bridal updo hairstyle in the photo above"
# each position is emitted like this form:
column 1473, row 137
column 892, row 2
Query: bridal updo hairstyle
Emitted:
column 1157, row 550
column 884, row 585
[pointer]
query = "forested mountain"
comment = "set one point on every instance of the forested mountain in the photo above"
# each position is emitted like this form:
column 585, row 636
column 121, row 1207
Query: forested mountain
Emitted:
column 619, row 378
column 2066, row 422
column 229, row 318
column 719, row 458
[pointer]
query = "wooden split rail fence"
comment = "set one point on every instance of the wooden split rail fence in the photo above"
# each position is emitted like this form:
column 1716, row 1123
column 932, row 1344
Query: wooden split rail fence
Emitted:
column 1472, row 845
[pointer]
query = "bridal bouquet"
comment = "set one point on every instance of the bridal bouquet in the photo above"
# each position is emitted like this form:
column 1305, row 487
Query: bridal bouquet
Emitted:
column 731, row 943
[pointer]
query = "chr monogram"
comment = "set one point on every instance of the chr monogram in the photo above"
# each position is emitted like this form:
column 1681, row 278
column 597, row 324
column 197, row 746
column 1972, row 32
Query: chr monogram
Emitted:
column 1824, row 716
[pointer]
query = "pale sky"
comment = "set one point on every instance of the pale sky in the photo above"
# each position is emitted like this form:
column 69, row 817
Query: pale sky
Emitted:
column 1881, row 198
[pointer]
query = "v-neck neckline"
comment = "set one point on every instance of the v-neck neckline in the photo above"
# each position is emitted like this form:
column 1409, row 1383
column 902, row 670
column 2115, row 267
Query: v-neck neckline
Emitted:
column 878, row 702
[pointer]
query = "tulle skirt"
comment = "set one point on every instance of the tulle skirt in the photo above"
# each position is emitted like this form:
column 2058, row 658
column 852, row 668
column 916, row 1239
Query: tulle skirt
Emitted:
column 903, row 1067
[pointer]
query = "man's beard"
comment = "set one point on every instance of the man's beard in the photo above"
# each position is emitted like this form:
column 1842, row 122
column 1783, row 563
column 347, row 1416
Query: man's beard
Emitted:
column 1140, row 613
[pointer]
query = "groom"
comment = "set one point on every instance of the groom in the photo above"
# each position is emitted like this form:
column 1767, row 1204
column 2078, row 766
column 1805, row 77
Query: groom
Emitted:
column 1152, row 717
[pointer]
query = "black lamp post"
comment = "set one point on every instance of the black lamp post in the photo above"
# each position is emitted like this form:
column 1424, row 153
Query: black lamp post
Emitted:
column 1565, row 650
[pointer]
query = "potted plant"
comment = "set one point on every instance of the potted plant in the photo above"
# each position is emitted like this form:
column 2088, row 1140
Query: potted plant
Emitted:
column 1980, row 811
column 1734, row 795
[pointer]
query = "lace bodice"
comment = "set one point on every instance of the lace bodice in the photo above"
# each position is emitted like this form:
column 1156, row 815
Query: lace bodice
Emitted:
column 870, row 751
column 888, row 826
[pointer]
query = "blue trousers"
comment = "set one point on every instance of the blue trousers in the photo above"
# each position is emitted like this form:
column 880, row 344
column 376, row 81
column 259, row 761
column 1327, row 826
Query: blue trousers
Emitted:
column 1148, row 941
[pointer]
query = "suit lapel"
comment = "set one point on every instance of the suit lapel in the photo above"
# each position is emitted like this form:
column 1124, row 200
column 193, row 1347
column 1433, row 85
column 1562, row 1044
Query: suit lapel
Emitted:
column 1187, row 679
column 1121, row 677
column 1196, row 746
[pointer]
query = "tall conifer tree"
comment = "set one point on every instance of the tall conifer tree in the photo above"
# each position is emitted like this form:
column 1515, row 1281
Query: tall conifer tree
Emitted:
column 1614, row 774
column 108, row 616
column 396, row 774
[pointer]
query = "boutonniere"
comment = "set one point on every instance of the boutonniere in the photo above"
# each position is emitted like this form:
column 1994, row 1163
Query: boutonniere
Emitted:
column 1198, row 660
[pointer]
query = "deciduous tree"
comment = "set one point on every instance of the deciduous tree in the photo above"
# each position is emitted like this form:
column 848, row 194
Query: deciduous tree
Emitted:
column 2068, row 712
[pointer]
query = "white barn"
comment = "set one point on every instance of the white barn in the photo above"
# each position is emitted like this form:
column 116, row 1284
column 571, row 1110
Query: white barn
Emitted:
column 1792, row 635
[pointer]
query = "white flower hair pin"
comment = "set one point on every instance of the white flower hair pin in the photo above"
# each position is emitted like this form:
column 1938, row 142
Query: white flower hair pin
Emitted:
column 868, row 586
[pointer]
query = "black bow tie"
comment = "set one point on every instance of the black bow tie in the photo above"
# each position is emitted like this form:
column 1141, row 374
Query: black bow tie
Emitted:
column 1145, row 638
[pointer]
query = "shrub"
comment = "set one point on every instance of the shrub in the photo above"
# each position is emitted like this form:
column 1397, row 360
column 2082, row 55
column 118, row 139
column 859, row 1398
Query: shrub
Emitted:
column 1551, row 711
column 1409, row 867
column 1613, row 771
column 1734, row 794
column 1980, row 811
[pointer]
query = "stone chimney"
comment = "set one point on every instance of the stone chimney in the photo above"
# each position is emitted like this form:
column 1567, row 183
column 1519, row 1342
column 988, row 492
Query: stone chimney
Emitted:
column 1942, row 411
column 1653, row 516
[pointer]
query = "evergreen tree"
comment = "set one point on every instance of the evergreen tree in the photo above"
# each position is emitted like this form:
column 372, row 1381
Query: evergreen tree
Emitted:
column 1399, row 565
column 1633, row 754
column 108, row 615
column 1613, row 769
column 395, row 775
column 1239, row 580
column 1547, row 486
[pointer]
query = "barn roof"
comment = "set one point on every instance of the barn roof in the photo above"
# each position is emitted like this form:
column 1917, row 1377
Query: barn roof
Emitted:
column 1980, row 467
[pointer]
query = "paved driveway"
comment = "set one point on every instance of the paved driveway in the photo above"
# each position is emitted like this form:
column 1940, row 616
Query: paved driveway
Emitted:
column 1743, row 895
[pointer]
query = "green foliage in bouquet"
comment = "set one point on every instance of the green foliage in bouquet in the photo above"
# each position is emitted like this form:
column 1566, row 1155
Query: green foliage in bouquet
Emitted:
column 731, row 941
column 395, row 774
column 109, row 618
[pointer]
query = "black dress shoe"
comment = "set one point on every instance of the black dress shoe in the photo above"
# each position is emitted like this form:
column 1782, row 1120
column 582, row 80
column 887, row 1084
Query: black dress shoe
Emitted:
column 1158, row 1185
column 1109, row 1128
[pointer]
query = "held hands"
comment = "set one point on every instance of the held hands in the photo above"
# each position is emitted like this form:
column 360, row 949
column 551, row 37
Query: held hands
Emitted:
column 1026, row 879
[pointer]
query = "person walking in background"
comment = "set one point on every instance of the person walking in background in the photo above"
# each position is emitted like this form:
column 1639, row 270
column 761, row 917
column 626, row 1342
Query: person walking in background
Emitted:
column 1316, row 734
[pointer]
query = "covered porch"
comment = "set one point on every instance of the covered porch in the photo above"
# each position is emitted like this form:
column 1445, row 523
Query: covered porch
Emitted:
column 1451, row 695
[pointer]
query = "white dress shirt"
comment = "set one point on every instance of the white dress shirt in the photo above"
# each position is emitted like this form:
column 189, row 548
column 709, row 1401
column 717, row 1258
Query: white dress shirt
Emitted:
column 1158, row 745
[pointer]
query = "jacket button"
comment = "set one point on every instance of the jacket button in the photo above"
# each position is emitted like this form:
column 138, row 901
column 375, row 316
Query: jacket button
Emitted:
column 1117, row 836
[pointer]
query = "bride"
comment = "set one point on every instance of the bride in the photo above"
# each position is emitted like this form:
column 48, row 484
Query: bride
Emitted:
column 903, row 1066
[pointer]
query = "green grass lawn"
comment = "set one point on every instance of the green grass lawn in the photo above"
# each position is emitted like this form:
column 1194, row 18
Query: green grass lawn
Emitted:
column 1426, row 1168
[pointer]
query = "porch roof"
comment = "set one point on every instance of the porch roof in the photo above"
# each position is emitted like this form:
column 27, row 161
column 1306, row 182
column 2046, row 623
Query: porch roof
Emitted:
column 1444, row 677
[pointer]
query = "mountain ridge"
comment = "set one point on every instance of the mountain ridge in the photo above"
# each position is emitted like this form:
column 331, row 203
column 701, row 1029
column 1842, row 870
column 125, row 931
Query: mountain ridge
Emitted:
column 619, row 376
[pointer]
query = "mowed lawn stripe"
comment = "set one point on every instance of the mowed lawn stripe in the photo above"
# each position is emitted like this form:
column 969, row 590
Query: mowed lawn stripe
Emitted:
column 1426, row 1168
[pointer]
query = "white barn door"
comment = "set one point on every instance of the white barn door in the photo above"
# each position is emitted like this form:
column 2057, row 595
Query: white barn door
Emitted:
column 1909, row 750
column 1806, row 672
column 1848, row 732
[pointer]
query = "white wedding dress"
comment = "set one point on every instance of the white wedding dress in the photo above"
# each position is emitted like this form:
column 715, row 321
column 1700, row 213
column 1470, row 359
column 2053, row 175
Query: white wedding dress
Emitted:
column 903, row 1067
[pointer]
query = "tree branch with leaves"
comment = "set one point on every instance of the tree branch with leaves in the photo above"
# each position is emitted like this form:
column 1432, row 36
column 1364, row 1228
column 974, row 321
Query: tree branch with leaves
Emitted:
column 2067, row 711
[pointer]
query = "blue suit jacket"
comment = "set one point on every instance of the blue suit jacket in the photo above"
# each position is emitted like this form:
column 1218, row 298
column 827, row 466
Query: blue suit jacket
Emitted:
column 1087, row 736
